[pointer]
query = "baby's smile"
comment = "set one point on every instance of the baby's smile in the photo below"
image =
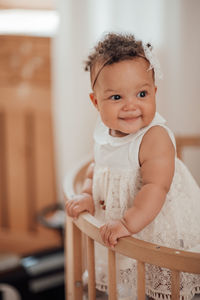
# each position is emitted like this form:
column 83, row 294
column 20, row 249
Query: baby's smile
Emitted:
column 129, row 117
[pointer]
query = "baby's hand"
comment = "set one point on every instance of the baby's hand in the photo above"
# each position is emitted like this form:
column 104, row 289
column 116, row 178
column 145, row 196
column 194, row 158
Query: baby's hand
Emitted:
column 112, row 231
column 80, row 203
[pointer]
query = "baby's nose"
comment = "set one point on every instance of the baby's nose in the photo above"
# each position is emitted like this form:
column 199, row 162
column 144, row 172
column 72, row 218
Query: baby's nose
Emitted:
column 130, row 104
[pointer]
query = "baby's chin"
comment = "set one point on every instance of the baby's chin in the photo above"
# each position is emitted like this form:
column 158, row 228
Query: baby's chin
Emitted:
column 120, row 133
column 117, row 133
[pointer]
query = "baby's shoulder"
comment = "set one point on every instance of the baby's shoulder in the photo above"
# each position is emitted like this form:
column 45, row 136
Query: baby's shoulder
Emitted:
column 157, row 134
column 156, row 141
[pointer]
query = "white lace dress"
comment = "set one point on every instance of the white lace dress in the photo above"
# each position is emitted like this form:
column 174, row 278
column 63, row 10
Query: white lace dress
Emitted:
column 115, row 183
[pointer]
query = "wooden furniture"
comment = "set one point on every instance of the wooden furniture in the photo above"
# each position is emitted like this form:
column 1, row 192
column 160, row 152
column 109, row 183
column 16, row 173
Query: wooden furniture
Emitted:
column 87, row 227
column 24, row 4
column 27, row 175
column 186, row 141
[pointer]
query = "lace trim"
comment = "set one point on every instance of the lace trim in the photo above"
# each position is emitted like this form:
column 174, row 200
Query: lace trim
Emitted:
column 158, row 283
column 101, row 287
column 160, row 296
column 155, row 294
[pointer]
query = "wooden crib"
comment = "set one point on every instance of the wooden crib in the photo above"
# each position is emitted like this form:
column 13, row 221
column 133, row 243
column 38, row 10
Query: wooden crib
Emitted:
column 86, row 228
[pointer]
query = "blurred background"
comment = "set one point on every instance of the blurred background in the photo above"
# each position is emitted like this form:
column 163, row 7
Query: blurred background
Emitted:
column 47, row 120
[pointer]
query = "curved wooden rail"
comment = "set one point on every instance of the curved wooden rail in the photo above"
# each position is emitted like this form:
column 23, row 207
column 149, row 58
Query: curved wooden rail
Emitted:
column 144, row 252
column 169, row 258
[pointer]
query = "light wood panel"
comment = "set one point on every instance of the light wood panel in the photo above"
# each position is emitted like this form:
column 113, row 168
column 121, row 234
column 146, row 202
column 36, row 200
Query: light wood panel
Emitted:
column 24, row 59
column 3, row 174
column 26, row 242
column 27, row 4
column 27, row 175
column 16, row 172
column 45, row 177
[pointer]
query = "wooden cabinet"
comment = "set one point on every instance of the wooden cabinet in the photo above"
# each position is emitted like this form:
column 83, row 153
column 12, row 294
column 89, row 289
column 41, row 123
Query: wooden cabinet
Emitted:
column 27, row 175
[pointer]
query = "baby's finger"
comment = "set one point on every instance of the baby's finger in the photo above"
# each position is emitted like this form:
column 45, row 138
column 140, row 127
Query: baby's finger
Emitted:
column 107, row 236
column 68, row 206
column 71, row 208
column 102, row 229
column 76, row 211
column 112, row 239
column 102, row 232
column 67, row 203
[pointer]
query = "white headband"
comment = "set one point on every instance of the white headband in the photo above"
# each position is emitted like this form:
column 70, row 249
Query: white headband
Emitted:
column 154, row 63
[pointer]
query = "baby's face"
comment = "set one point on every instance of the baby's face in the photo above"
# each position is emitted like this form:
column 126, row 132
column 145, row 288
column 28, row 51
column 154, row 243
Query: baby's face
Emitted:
column 125, row 96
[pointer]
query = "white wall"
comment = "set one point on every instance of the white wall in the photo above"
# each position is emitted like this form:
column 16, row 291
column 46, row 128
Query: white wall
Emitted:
column 172, row 27
column 179, row 97
column 73, row 114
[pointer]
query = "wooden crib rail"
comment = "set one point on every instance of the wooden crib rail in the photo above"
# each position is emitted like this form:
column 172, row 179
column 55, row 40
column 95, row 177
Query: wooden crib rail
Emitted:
column 86, row 225
column 186, row 141
column 142, row 251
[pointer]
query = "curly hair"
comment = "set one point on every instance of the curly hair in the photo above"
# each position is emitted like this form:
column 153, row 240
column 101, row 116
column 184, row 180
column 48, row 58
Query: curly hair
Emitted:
column 113, row 48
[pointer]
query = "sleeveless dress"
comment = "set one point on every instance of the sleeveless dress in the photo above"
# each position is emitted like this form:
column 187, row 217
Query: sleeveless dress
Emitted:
column 116, row 181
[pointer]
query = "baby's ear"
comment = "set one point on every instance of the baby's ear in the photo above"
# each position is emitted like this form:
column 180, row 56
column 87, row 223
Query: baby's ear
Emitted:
column 93, row 99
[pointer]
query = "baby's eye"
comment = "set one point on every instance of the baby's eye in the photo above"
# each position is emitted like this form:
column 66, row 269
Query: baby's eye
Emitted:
column 115, row 97
column 142, row 94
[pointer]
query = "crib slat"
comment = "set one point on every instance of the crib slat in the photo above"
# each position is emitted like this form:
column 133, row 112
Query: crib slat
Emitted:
column 141, row 280
column 175, row 285
column 91, row 269
column 73, row 262
column 112, row 275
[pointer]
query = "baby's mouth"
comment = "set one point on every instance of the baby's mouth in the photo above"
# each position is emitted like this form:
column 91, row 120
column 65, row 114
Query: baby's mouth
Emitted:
column 129, row 118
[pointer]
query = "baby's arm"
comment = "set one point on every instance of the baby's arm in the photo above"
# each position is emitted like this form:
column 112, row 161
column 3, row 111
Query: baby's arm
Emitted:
column 83, row 201
column 156, row 157
column 157, row 161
